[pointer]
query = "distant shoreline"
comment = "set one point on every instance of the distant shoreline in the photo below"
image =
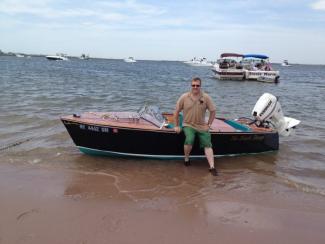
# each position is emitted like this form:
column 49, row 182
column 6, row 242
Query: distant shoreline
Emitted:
column 13, row 54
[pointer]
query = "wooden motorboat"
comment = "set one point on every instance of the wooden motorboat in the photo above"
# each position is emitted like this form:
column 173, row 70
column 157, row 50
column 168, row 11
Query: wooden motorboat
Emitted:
column 149, row 134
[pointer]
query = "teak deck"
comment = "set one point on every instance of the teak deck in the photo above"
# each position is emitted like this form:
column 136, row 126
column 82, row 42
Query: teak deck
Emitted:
column 128, row 120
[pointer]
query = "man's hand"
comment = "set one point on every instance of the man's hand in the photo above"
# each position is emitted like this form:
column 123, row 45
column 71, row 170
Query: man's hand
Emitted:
column 206, row 127
column 177, row 129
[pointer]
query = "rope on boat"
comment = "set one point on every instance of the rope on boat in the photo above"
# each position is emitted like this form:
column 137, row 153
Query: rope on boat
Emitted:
column 116, row 117
column 252, row 121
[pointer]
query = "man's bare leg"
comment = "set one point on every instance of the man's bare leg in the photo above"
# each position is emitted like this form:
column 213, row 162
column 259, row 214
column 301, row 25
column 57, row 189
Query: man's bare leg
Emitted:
column 187, row 151
column 209, row 154
column 210, row 157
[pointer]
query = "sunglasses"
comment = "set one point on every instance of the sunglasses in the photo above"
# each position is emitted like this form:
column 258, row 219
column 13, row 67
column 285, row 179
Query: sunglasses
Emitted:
column 196, row 85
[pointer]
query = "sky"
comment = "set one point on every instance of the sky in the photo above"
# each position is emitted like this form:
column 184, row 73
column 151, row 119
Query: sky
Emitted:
column 166, row 29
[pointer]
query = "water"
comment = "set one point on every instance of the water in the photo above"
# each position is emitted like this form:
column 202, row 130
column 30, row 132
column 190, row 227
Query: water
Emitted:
column 35, row 92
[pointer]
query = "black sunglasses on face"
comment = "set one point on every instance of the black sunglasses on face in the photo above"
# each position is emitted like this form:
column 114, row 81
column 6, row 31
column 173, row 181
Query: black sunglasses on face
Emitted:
column 196, row 85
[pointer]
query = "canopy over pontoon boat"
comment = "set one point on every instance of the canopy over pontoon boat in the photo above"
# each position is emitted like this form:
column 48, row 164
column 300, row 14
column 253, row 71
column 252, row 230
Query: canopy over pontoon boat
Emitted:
column 259, row 56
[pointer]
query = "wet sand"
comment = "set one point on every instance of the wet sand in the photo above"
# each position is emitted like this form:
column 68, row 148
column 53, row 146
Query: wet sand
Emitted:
column 46, row 204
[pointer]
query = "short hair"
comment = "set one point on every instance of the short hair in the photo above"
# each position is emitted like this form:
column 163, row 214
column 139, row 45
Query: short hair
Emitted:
column 197, row 79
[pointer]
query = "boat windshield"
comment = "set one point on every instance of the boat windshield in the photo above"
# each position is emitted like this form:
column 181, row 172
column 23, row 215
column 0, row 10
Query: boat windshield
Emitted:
column 257, row 64
column 226, row 60
column 152, row 114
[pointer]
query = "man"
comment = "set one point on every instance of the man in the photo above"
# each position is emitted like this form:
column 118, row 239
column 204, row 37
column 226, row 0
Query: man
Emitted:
column 194, row 105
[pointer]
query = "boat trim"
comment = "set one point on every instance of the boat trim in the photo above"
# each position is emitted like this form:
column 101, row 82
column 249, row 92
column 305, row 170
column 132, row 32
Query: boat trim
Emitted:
column 98, row 152
column 68, row 121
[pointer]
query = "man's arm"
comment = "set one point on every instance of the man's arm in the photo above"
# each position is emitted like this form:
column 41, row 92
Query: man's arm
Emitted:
column 176, row 120
column 178, row 109
column 211, row 118
column 212, row 110
column 176, row 117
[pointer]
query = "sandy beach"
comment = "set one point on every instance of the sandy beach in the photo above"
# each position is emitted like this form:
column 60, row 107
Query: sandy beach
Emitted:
column 43, row 204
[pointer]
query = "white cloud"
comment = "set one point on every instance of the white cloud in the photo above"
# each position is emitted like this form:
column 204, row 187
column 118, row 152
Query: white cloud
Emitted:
column 110, row 11
column 144, row 8
column 25, row 7
column 319, row 5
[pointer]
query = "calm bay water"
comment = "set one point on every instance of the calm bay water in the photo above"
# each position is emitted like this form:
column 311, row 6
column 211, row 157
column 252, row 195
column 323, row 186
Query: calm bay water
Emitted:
column 35, row 92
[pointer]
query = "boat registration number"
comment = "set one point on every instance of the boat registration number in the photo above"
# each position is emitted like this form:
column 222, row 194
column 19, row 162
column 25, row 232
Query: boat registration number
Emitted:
column 95, row 128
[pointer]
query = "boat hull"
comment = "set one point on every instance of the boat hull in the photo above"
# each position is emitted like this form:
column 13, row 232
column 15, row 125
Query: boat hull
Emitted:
column 162, row 144
column 228, row 74
column 200, row 64
column 56, row 58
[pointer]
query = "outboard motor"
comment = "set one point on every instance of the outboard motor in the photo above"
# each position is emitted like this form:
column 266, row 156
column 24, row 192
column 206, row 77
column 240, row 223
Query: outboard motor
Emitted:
column 268, row 112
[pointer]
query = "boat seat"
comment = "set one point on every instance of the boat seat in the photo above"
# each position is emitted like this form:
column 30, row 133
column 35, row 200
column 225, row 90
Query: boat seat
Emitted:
column 224, row 66
column 170, row 120
column 237, row 126
column 220, row 125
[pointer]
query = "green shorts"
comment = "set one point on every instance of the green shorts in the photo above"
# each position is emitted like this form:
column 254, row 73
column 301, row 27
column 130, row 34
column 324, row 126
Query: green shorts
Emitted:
column 204, row 136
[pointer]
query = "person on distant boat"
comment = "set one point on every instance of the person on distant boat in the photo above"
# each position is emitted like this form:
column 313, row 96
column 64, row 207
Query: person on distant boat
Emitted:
column 224, row 64
column 267, row 67
column 194, row 105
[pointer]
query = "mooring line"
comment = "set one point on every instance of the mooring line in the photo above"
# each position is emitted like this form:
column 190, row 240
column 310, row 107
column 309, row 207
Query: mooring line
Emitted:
column 21, row 141
column 8, row 146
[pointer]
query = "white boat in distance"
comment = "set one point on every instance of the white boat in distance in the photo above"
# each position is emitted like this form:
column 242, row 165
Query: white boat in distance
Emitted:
column 198, row 62
column 285, row 63
column 228, row 67
column 130, row 60
column 58, row 56
column 84, row 57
